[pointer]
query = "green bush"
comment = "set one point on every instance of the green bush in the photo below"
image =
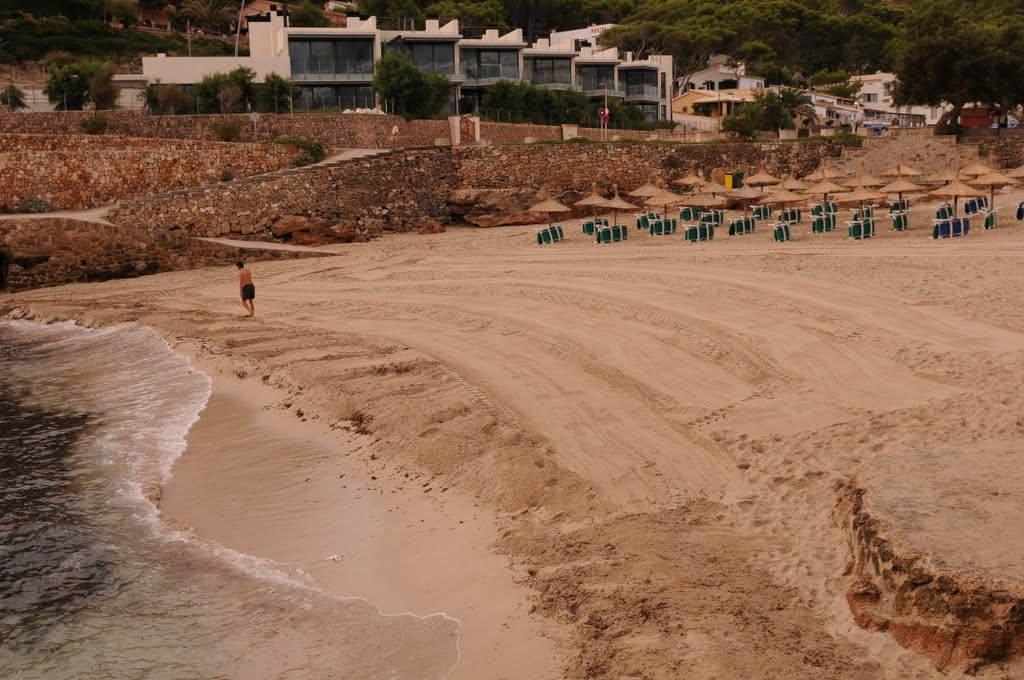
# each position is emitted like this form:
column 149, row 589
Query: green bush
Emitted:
column 302, row 159
column 93, row 125
column 31, row 204
column 225, row 92
column 227, row 130
column 315, row 150
column 167, row 98
column 67, row 83
column 411, row 92
column 12, row 97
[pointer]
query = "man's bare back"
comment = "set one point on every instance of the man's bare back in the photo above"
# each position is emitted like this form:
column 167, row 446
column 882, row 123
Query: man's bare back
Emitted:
column 247, row 289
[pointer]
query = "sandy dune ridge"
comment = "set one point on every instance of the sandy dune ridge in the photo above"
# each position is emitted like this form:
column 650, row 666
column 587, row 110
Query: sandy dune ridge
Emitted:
column 660, row 429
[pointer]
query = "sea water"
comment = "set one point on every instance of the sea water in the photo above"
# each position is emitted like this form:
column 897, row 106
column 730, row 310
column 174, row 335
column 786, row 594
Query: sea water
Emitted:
column 93, row 584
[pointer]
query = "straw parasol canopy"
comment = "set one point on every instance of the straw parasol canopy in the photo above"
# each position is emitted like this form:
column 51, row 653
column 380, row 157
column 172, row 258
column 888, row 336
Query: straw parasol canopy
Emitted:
column 976, row 170
column 714, row 188
column 791, row 183
column 781, row 197
column 549, row 206
column 823, row 188
column 1016, row 172
column 594, row 199
column 900, row 170
column 944, row 177
column 648, row 189
column 745, row 194
column 865, row 179
column 957, row 190
column 861, row 195
column 824, row 172
column 690, row 181
column 617, row 204
column 761, row 179
column 704, row 201
column 901, row 186
column 664, row 199
column 992, row 180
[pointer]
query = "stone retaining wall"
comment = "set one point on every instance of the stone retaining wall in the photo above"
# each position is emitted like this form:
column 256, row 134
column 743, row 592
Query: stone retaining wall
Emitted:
column 349, row 131
column 54, row 251
column 401, row 190
column 394, row 192
column 79, row 171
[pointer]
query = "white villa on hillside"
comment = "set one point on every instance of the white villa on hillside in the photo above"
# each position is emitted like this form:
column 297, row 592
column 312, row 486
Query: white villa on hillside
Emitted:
column 875, row 98
column 334, row 66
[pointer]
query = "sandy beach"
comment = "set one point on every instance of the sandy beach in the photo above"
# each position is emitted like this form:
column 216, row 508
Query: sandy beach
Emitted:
column 616, row 461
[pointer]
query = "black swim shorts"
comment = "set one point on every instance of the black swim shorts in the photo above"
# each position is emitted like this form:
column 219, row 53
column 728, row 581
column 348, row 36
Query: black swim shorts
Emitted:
column 248, row 292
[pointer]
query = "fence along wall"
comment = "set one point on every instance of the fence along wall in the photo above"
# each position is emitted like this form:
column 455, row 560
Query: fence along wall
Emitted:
column 400, row 190
column 74, row 172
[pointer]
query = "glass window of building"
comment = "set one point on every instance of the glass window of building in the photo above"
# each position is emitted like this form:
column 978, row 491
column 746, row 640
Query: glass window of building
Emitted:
column 548, row 71
column 591, row 76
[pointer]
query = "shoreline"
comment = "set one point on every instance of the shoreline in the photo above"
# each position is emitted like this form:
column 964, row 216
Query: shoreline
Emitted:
column 400, row 552
column 600, row 425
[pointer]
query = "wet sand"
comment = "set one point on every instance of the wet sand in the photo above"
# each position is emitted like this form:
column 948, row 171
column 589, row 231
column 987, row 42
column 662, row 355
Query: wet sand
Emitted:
column 651, row 434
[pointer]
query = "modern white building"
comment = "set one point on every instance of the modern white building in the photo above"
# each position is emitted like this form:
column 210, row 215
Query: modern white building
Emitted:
column 334, row 66
column 721, row 75
column 876, row 95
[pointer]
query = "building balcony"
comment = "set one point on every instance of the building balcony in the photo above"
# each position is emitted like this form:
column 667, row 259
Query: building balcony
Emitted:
column 646, row 93
column 558, row 86
column 614, row 91
column 332, row 70
column 488, row 74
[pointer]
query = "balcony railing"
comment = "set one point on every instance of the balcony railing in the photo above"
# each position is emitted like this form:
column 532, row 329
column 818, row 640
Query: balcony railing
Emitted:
column 615, row 91
column 332, row 69
column 488, row 74
column 642, row 92
column 454, row 73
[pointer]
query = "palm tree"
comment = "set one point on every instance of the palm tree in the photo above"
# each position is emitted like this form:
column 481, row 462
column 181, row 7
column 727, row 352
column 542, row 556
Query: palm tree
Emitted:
column 213, row 14
column 798, row 106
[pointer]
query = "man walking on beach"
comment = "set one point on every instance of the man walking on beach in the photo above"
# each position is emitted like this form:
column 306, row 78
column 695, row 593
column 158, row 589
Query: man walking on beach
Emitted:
column 247, row 289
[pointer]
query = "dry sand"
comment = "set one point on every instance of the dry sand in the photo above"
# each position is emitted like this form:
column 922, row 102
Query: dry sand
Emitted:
column 642, row 440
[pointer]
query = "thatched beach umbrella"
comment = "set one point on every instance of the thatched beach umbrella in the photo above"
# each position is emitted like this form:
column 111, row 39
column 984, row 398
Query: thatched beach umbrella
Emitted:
column 900, row 170
column 782, row 197
column 956, row 190
column 549, row 206
column 976, row 170
column 791, row 183
column 865, row 179
column 691, row 181
column 944, row 177
column 594, row 199
column 646, row 190
column 761, row 179
column 1016, row 172
column 745, row 194
column 704, row 201
column 824, row 172
column 823, row 188
column 992, row 180
column 617, row 204
column 900, row 186
column 664, row 199
column 714, row 188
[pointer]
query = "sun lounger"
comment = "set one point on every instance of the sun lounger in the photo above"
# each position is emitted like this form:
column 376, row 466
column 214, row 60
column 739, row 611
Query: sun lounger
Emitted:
column 899, row 221
column 552, row 234
column 990, row 218
column 944, row 212
column 781, row 233
column 900, row 206
column 861, row 229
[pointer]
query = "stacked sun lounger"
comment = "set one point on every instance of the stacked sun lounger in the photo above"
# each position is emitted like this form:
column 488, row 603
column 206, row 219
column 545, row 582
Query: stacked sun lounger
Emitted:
column 781, row 233
column 663, row 227
column 973, row 206
column 699, row 232
column 791, row 215
column 859, row 229
column 589, row 227
column 900, row 221
column 552, row 234
column 867, row 211
column 990, row 217
column 944, row 212
column 951, row 228
column 761, row 212
column 612, row 234
column 900, row 206
column 744, row 225
column 691, row 213
column 822, row 223
column 644, row 220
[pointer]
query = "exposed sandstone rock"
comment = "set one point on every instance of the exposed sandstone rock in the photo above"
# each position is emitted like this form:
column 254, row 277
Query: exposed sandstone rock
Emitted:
column 289, row 224
column 430, row 227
